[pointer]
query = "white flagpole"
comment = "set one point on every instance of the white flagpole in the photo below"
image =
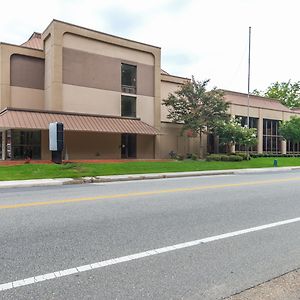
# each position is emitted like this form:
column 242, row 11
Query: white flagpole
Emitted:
column 249, row 61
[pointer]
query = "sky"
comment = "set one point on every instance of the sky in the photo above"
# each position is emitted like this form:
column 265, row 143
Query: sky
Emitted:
column 207, row 39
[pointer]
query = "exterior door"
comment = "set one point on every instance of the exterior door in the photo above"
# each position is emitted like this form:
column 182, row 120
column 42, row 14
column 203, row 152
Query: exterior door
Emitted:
column 128, row 145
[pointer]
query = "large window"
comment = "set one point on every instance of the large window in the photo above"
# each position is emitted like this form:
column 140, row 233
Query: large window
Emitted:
column 25, row 144
column 271, row 137
column 253, row 124
column 292, row 147
column 128, row 106
column 128, row 78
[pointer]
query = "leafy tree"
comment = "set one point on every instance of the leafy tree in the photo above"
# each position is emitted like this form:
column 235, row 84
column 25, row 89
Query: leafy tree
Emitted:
column 290, row 130
column 196, row 108
column 288, row 93
column 232, row 132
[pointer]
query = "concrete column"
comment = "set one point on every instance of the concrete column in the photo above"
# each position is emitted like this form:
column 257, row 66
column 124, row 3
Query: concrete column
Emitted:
column 232, row 148
column 157, row 146
column 3, row 145
column 260, row 135
column 283, row 147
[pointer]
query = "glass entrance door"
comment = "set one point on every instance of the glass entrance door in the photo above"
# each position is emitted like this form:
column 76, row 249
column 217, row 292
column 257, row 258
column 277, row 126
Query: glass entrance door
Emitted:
column 128, row 145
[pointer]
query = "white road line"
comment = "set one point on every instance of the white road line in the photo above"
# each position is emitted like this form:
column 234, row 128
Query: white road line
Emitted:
column 118, row 260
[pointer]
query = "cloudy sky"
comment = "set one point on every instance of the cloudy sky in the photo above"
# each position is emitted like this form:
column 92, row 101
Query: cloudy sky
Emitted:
column 207, row 39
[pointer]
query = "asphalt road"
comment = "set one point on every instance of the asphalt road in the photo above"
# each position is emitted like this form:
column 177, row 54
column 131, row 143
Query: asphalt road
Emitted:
column 46, row 230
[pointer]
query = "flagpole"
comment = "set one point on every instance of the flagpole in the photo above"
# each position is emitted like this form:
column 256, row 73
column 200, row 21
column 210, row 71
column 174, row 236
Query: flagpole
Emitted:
column 249, row 61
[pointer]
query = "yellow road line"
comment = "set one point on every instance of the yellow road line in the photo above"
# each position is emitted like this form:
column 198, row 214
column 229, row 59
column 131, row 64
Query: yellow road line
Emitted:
column 157, row 192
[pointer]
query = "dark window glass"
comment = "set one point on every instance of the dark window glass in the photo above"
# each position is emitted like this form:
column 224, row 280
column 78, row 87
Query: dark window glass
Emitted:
column 272, row 142
column 128, row 80
column 128, row 106
column 26, row 144
column 274, row 128
column 253, row 122
column 292, row 147
column 243, row 120
column 128, row 145
column 269, row 127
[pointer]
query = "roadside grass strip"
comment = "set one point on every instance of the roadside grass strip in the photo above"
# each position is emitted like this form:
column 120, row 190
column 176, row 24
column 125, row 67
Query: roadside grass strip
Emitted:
column 135, row 256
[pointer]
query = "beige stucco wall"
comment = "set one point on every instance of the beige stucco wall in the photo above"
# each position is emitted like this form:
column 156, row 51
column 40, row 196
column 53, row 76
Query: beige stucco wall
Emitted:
column 6, row 52
column 61, row 34
column 27, row 98
column 145, row 147
column 173, row 140
column 81, row 145
column 92, row 101
column 47, row 88
column 145, row 109
column 167, row 88
column 100, row 47
column 103, row 102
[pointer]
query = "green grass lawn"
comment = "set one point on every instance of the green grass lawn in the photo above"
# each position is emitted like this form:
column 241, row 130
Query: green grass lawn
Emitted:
column 72, row 170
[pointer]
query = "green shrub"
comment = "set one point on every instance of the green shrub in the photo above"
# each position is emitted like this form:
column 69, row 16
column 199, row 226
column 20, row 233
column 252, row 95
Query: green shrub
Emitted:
column 256, row 155
column 173, row 154
column 189, row 155
column 213, row 157
column 180, row 157
column 235, row 158
column 223, row 157
column 194, row 156
column 244, row 155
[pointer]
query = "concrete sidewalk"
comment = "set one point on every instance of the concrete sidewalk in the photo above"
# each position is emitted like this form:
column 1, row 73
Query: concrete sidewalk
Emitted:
column 130, row 177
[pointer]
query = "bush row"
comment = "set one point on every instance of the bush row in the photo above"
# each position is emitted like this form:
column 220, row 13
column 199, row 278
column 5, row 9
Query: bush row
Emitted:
column 256, row 155
column 223, row 157
column 174, row 155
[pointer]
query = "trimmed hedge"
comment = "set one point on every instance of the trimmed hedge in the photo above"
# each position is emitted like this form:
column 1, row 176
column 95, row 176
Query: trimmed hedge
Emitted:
column 256, row 155
column 223, row 157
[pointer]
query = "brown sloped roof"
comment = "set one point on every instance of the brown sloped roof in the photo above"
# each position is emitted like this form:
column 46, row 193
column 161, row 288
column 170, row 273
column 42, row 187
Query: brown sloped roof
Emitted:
column 255, row 101
column 30, row 119
column 35, row 41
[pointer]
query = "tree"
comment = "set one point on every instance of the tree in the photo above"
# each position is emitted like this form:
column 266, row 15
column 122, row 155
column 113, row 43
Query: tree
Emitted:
column 232, row 132
column 290, row 130
column 288, row 93
column 197, row 109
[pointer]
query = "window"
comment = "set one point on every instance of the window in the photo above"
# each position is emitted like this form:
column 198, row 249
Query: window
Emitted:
column 128, row 106
column 253, row 122
column 26, row 144
column 128, row 78
column 292, row 147
column 271, row 137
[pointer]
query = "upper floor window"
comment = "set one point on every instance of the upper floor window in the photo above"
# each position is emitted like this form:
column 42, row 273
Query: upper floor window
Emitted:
column 244, row 120
column 128, row 78
column 128, row 106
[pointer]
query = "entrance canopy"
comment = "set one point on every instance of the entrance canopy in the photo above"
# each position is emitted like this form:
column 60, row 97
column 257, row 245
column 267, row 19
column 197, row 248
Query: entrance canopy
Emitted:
column 13, row 118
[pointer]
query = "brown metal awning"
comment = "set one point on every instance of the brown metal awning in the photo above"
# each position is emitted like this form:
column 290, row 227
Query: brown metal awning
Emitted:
column 12, row 118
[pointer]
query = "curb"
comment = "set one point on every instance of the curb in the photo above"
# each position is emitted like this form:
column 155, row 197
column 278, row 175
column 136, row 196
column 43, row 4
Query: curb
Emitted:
column 136, row 177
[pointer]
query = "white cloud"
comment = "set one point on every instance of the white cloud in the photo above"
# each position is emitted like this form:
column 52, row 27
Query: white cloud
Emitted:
column 205, row 38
